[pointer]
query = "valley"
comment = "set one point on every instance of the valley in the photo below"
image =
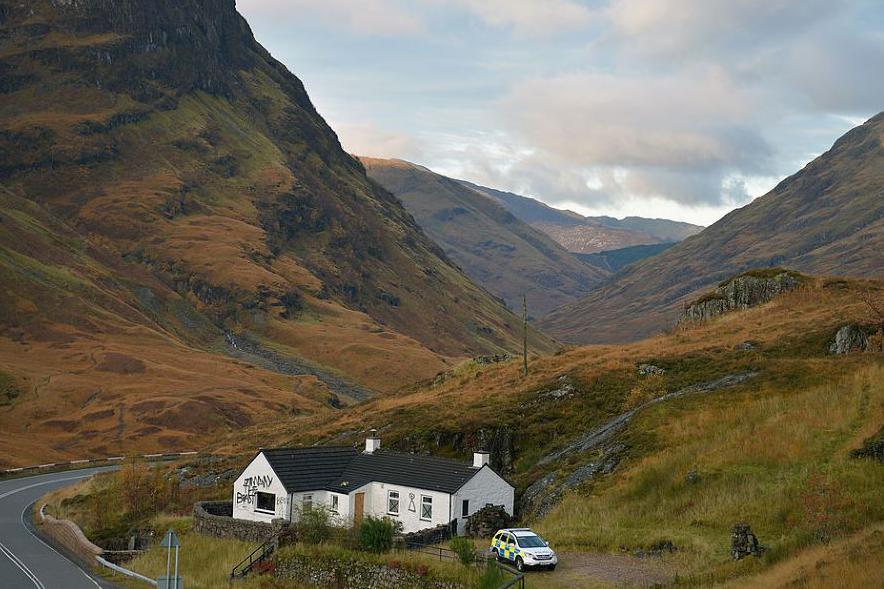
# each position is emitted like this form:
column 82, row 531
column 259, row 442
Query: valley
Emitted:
column 313, row 366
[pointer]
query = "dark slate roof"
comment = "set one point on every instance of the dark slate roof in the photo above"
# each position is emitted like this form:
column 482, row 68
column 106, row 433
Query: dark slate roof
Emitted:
column 309, row 469
column 343, row 469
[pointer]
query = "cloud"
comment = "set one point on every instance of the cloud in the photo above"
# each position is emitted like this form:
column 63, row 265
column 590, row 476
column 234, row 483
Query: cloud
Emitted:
column 368, row 139
column 676, row 136
column 705, row 28
column 535, row 18
column 383, row 18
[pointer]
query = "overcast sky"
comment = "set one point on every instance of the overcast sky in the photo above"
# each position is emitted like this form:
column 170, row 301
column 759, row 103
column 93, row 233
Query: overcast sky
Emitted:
column 661, row 108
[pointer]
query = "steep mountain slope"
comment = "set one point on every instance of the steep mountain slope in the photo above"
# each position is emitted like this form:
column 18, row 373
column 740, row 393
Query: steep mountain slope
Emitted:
column 580, row 234
column 170, row 193
column 827, row 218
column 494, row 248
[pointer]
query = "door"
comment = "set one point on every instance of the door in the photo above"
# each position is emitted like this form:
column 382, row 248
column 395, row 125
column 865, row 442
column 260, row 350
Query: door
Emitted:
column 358, row 508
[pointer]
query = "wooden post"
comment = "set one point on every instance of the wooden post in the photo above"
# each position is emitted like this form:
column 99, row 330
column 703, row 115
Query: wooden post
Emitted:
column 524, row 335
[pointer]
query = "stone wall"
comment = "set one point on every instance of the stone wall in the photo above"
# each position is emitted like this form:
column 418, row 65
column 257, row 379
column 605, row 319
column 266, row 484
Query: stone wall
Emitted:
column 213, row 518
column 427, row 536
column 486, row 521
column 356, row 574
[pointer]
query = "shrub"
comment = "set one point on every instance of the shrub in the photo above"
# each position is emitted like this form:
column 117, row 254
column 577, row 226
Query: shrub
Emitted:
column 492, row 578
column 314, row 525
column 465, row 549
column 376, row 534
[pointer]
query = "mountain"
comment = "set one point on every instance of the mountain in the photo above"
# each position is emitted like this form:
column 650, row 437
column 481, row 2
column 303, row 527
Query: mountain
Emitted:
column 580, row 234
column 615, row 260
column 826, row 219
column 184, row 246
column 498, row 251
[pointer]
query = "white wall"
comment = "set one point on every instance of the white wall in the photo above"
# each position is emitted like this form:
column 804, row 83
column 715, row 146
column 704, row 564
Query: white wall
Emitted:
column 258, row 476
column 485, row 487
column 323, row 499
column 376, row 505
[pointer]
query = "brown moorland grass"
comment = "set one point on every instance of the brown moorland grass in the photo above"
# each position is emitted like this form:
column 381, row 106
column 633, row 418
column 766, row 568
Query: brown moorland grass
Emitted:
column 773, row 451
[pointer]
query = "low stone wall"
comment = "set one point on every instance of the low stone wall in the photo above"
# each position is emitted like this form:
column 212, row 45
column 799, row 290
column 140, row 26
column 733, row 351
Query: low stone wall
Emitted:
column 213, row 518
column 68, row 534
column 330, row 573
column 486, row 521
column 436, row 535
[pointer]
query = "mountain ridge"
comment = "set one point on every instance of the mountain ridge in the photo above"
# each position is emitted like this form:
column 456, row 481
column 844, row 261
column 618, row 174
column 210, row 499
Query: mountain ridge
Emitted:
column 497, row 250
column 587, row 235
column 827, row 218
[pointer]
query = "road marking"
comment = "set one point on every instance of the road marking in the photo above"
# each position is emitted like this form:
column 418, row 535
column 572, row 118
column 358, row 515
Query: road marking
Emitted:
column 40, row 484
column 22, row 566
column 7, row 552
column 40, row 540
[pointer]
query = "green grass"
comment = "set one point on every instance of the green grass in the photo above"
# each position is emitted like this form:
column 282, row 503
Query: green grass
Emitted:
column 775, row 457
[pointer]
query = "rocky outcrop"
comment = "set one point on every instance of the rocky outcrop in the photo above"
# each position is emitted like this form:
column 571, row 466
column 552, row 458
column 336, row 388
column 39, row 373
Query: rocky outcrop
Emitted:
column 849, row 338
column 744, row 291
column 744, row 543
column 546, row 492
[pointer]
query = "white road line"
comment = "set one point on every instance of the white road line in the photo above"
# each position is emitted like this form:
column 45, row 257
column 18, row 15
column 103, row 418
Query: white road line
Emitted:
column 6, row 551
column 40, row 484
column 22, row 566
column 40, row 540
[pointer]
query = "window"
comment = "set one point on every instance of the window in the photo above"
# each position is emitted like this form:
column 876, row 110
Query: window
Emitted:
column 307, row 502
column 334, row 503
column 531, row 541
column 510, row 540
column 426, row 508
column 465, row 508
column 266, row 502
column 393, row 502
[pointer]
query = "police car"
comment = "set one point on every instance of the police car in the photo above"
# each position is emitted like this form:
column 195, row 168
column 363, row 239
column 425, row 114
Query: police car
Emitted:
column 524, row 548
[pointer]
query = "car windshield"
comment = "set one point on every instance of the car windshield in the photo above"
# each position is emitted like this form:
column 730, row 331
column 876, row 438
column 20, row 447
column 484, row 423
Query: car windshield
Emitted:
column 531, row 542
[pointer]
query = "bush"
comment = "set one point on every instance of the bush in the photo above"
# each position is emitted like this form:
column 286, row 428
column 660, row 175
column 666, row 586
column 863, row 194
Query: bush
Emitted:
column 376, row 534
column 314, row 525
column 492, row 578
column 465, row 549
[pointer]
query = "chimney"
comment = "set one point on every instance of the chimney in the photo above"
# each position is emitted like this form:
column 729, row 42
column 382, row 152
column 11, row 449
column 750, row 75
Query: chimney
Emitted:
column 481, row 458
column 372, row 442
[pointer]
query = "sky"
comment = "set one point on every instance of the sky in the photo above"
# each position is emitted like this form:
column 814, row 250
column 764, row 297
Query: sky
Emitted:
column 681, row 109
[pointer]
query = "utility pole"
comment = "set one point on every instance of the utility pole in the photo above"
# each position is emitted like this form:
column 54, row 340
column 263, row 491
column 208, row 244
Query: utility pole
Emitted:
column 524, row 336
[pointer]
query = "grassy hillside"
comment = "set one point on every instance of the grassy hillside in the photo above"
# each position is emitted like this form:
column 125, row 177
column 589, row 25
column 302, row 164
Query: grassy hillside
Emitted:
column 180, row 228
column 826, row 219
column 494, row 248
column 772, row 448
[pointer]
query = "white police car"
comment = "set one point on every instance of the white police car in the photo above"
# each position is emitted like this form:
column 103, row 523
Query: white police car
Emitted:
column 523, row 548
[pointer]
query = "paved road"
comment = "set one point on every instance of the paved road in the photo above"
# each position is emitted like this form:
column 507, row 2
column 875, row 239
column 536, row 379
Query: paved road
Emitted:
column 26, row 562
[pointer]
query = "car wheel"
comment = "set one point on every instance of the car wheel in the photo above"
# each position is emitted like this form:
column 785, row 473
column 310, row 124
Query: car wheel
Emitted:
column 552, row 567
column 496, row 555
column 520, row 564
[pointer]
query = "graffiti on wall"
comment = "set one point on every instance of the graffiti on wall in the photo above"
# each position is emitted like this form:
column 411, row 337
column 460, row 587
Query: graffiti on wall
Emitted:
column 250, row 486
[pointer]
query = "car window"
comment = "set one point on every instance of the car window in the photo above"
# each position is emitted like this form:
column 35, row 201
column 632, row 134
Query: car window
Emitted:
column 531, row 541
column 509, row 540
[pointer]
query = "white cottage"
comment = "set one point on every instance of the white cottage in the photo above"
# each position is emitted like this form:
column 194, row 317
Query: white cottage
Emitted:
column 419, row 491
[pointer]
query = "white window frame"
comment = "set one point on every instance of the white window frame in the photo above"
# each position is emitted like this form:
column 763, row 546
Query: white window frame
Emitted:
column 307, row 499
column 398, row 499
column 333, row 503
column 430, row 503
